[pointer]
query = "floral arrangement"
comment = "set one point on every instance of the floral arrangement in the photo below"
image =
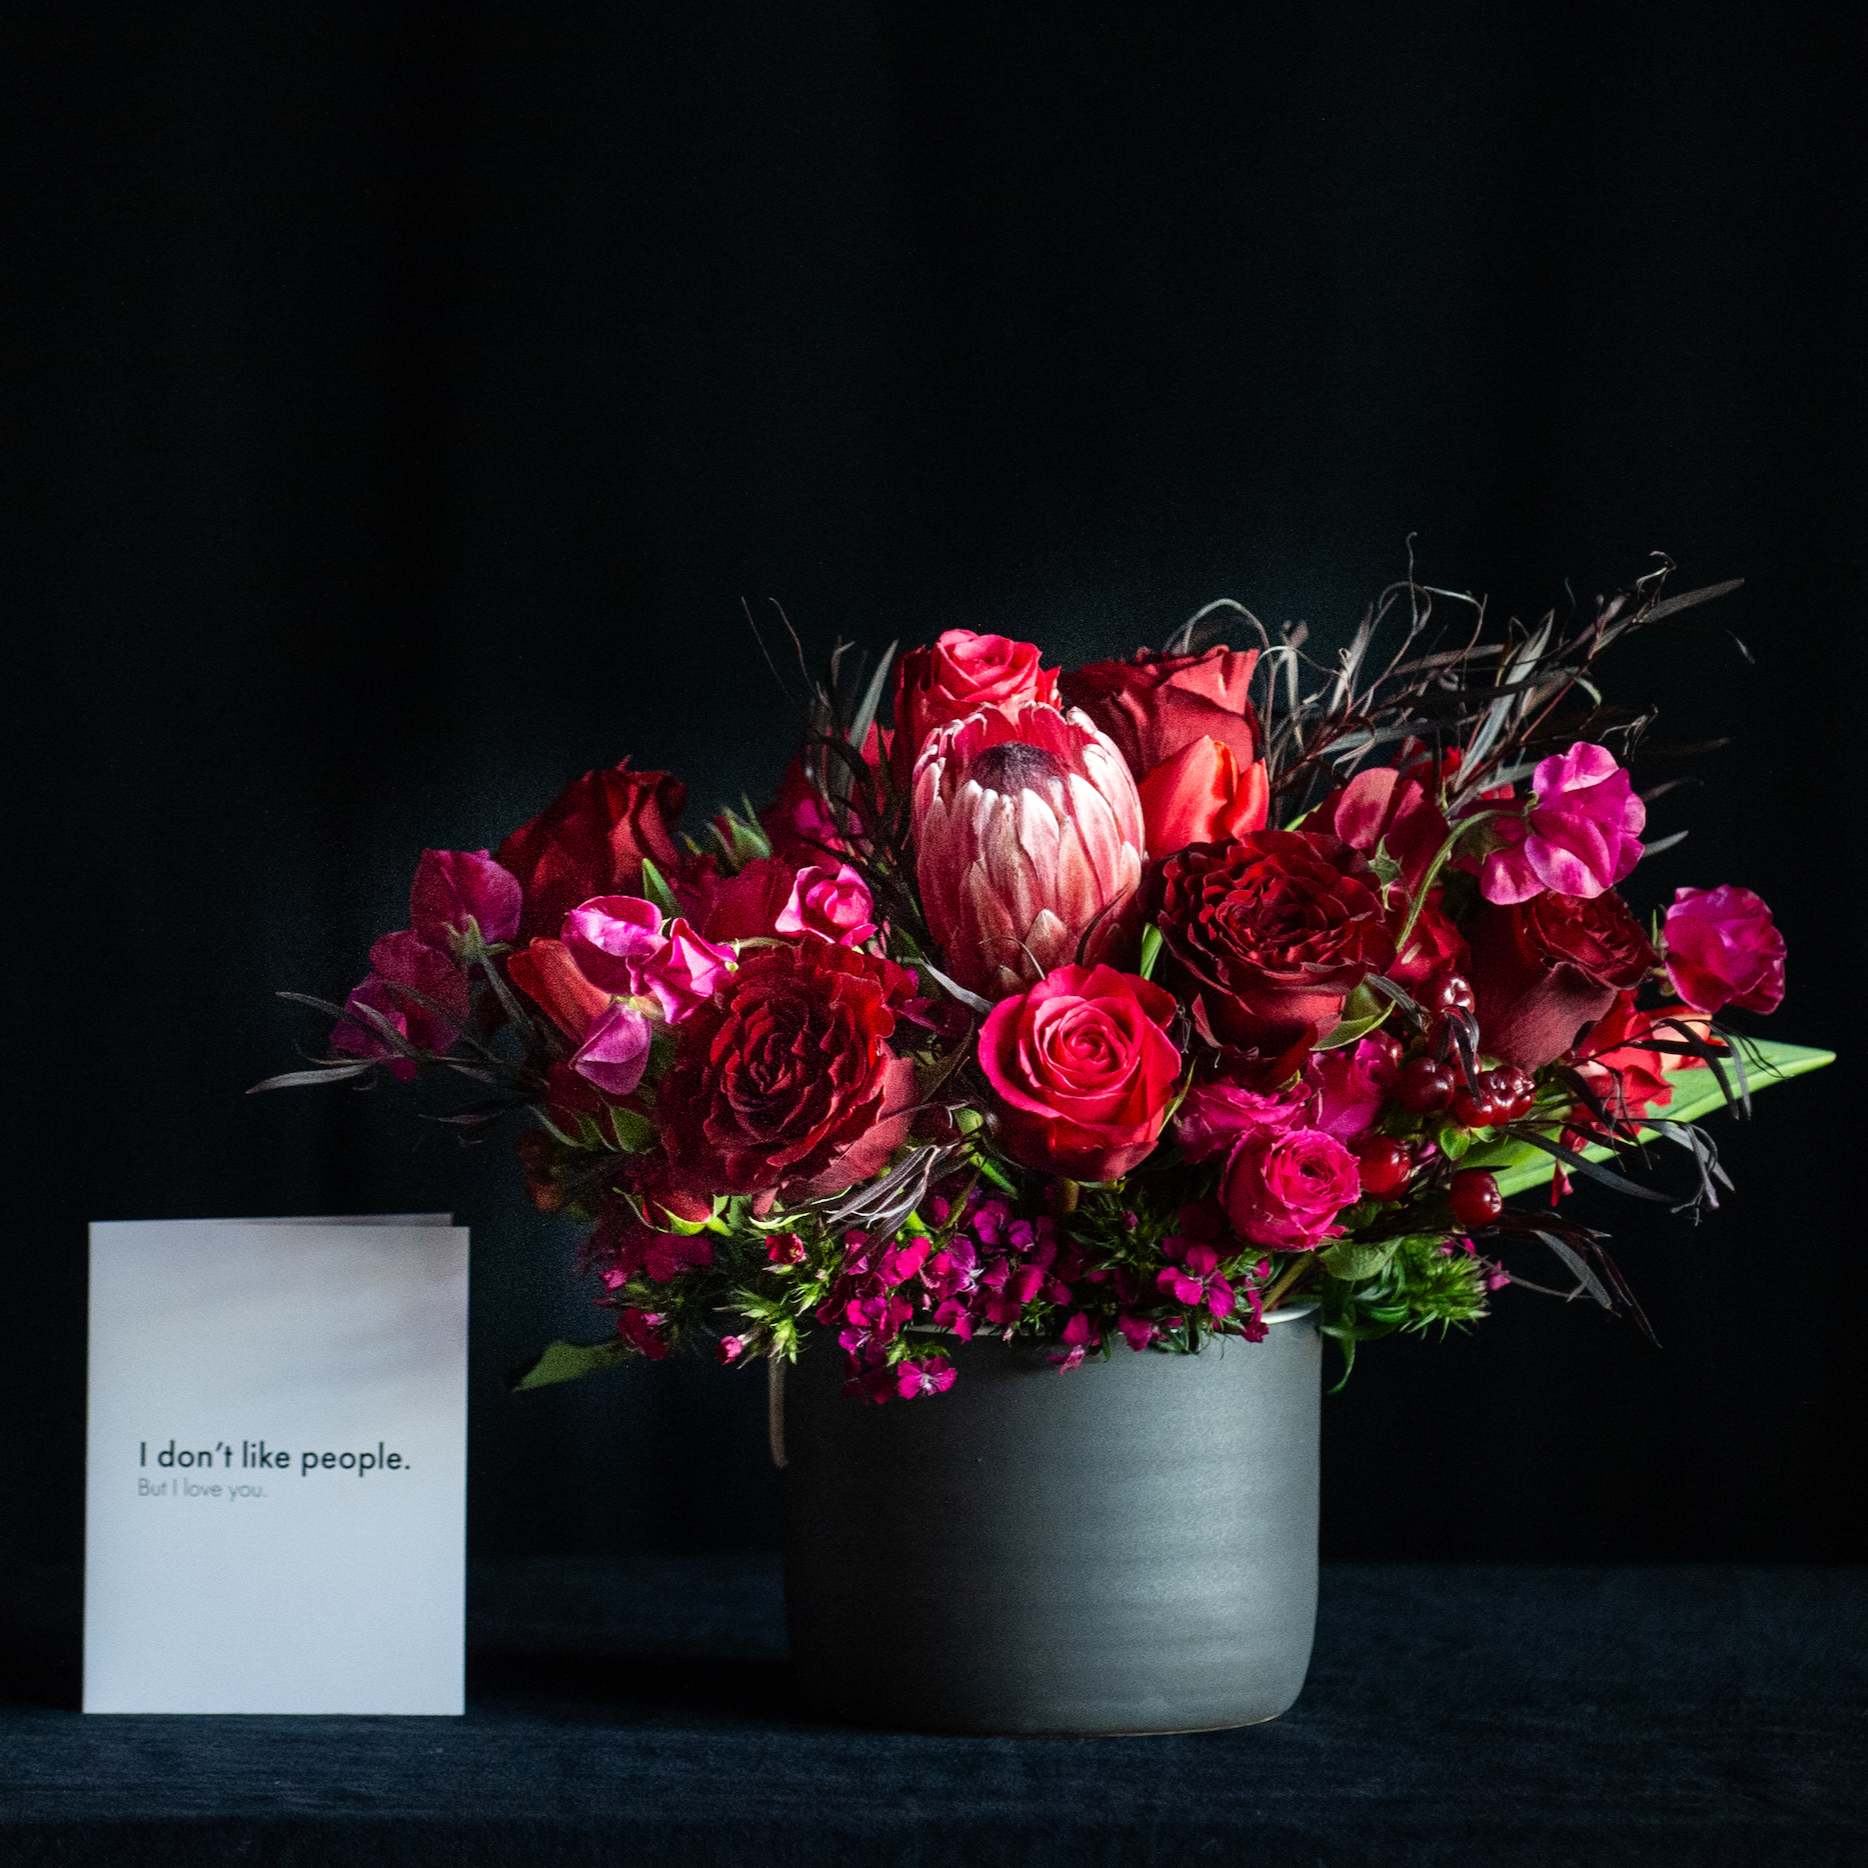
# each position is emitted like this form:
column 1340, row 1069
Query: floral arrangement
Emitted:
column 1116, row 1007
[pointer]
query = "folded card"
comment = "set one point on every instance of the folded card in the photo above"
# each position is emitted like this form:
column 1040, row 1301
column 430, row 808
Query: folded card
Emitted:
column 275, row 1482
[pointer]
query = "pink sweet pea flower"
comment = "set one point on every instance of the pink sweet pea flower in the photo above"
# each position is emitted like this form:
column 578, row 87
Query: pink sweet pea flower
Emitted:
column 833, row 903
column 1579, row 836
column 1724, row 949
column 610, row 937
column 405, row 960
column 685, row 971
column 1350, row 1086
column 452, row 887
column 615, row 1052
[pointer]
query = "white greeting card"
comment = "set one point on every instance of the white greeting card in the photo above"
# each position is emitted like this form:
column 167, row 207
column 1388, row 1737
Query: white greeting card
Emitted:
column 275, row 1482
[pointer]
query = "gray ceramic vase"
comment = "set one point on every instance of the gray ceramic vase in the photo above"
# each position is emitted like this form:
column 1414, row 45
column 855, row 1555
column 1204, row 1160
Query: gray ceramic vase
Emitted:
column 1131, row 1547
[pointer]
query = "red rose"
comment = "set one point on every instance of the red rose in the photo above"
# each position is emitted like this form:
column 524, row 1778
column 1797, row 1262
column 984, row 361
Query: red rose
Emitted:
column 1272, row 932
column 1084, row 1069
column 591, row 841
column 961, row 673
column 784, row 1081
column 1157, row 705
column 1617, row 1062
column 1544, row 970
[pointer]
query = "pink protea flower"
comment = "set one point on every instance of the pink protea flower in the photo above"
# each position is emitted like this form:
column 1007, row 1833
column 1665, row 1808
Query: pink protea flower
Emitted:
column 1580, row 836
column 1028, row 833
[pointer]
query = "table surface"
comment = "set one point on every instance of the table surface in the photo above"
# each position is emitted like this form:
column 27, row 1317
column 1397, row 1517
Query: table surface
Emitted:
column 641, row 1711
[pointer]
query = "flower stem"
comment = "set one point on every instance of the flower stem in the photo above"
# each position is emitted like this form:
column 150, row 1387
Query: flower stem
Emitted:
column 1282, row 1287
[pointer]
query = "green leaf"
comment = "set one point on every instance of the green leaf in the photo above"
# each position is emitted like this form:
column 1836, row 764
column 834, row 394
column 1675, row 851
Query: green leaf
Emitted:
column 1363, row 1010
column 633, row 1131
column 1352, row 1260
column 655, row 887
column 1151, row 950
column 568, row 1362
column 1519, row 1166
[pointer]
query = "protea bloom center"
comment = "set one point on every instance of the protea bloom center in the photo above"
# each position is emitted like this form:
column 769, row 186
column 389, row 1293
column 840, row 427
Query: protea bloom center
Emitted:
column 1028, row 832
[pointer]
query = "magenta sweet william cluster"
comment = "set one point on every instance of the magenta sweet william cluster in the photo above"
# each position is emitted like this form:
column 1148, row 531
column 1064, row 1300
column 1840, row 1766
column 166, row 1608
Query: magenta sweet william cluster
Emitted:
column 1075, row 1004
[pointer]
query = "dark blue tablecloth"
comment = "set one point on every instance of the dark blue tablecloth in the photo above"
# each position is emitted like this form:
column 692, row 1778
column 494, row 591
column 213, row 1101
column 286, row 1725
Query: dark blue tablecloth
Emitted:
column 641, row 1712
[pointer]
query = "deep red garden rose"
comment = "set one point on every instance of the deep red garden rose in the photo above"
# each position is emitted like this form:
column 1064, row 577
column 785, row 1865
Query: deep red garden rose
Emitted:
column 591, row 841
column 1272, row 932
column 1723, row 948
column 784, row 1080
column 1084, row 1071
column 959, row 674
column 1285, row 1191
column 1544, row 970
column 1156, row 705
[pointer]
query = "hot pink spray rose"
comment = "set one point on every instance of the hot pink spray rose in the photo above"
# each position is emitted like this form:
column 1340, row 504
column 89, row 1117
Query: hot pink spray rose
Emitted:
column 834, row 903
column 1724, row 949
column 1579, row 837
column 1285, row 1191
column 1028, row 836
column 1084, row 1071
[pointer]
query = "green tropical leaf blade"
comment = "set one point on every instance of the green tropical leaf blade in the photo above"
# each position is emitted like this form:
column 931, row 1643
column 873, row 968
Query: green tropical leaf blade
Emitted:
column 1520, row 1167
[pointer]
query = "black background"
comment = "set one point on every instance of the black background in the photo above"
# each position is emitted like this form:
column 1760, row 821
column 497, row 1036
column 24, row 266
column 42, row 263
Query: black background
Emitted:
column 406, row 402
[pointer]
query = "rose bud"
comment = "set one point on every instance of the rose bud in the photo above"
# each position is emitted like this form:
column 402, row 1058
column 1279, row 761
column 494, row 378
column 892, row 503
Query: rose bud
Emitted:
column 1155, row 706
column 547, row 974
column 1272, row 932
column 1084, row 1071
column 591, row 841
column 960, row 674
column 1028, row 836
column 1724, row 949
column 1202, row 796
column 1543, row 971
column 1578, row 837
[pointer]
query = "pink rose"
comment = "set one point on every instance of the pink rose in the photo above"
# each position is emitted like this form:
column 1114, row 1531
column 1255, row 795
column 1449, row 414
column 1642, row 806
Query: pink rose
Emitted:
column 1286, row 1191
column 1579, row 836
column 1213, row 1118
column 453, row 886
column 1724, row 949
column 1084, row 1071
column 832, row 902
